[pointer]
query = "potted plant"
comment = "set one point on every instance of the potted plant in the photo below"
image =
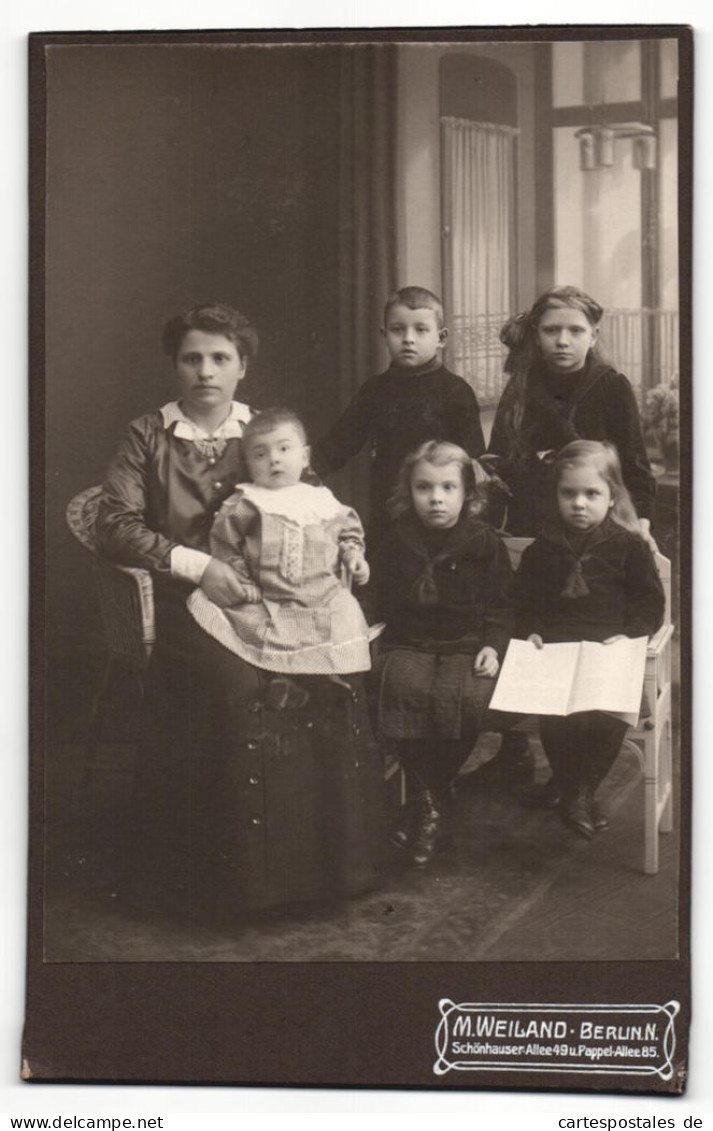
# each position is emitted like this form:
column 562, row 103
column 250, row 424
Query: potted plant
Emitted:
column 661, row 422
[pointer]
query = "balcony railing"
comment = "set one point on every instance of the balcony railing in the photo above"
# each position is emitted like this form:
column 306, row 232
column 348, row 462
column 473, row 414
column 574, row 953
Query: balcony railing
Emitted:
column 476, row 353
column 642, row 343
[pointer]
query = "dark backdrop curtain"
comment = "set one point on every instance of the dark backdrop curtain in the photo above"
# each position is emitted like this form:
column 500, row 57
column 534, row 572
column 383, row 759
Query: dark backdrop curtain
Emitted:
column 367, row 228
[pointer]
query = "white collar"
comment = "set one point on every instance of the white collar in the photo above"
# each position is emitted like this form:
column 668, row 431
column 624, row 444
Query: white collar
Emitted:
column 301, row 503
column 187, row 429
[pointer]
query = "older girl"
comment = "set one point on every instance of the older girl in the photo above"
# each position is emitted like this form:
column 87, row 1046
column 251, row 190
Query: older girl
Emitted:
column 561, row 390
column 443, row 584
column 588, row 576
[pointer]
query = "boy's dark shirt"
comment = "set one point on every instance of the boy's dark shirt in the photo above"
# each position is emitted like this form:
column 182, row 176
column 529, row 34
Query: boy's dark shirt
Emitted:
column 395, row 412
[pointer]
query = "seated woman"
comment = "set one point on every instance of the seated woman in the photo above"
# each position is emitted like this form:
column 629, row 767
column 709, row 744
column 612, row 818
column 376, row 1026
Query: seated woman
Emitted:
column 236, row 803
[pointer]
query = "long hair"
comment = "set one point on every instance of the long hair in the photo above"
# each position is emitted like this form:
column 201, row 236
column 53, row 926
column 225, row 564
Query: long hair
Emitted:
column 519, row 334
column 603, row 457
column 439, row 453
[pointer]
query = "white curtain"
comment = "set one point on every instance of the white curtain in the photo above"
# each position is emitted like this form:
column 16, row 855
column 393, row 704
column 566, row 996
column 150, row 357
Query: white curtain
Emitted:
column 478, row 225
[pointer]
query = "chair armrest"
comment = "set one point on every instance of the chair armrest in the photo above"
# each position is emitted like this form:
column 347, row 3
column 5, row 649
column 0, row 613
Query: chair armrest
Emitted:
column 126, row 600
column 144, row 587
column 126, row 597
column 659, row 640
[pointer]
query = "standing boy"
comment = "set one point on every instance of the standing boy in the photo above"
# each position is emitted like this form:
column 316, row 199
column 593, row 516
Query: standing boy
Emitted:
column 415, row 400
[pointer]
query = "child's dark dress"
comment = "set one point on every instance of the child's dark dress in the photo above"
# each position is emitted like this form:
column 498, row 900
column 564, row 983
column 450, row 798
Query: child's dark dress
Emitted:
column 444, row 595
column 596, row 404
column 586, row 587
column 621, row 590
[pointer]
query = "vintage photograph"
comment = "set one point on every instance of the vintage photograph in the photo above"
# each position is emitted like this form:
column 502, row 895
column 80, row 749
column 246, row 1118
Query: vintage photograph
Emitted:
column 362, row 500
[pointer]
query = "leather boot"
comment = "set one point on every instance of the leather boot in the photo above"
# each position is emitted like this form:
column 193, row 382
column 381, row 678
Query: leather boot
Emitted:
column 545, row 796
column 574, row 813
column 425, row 830
column 597, row 814
column 514, row 761
column 600, row 764
column 561, row 783
column 400, row 835
column 402, row 832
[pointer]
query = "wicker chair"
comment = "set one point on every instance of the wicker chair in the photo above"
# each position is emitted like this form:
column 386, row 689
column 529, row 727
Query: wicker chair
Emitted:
column 127, row 611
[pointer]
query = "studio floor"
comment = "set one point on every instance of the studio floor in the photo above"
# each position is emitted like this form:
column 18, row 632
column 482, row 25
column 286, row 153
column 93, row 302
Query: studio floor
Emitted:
column 513, row 884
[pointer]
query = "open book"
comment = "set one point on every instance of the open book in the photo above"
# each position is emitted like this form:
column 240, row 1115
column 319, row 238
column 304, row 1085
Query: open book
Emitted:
column 560, row 679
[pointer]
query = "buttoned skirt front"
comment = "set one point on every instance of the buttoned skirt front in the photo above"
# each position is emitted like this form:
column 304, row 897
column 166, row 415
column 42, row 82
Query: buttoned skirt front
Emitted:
column 254, row 790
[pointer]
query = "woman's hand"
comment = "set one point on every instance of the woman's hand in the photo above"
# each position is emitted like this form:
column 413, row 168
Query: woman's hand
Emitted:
column 224, row 588
column 645, row 532
column 614, row 639
column 357, row 569
column 486, row 662
column 536, row 639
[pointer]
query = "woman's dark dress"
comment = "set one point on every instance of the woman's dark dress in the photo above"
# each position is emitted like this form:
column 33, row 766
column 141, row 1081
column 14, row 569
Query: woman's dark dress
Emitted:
column 251, row 790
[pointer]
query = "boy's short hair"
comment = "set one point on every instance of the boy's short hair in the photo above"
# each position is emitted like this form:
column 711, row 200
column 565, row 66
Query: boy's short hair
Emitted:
column 415, row 298
column 268, row 420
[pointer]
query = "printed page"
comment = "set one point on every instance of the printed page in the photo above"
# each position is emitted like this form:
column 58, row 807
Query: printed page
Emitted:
column 609, row 677
column 536, row 681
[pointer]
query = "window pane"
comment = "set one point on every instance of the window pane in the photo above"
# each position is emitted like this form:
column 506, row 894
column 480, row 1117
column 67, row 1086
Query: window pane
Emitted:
column 612, row 72
column 567, row 73
column 668, row 242
column 598, row 244
column 598, row 223
column 669, row 68
column 592, row 73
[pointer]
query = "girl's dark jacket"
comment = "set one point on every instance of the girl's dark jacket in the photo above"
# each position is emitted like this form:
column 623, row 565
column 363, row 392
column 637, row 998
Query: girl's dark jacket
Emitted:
column 624, row 595
column 457, row 598
column 600, row 405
